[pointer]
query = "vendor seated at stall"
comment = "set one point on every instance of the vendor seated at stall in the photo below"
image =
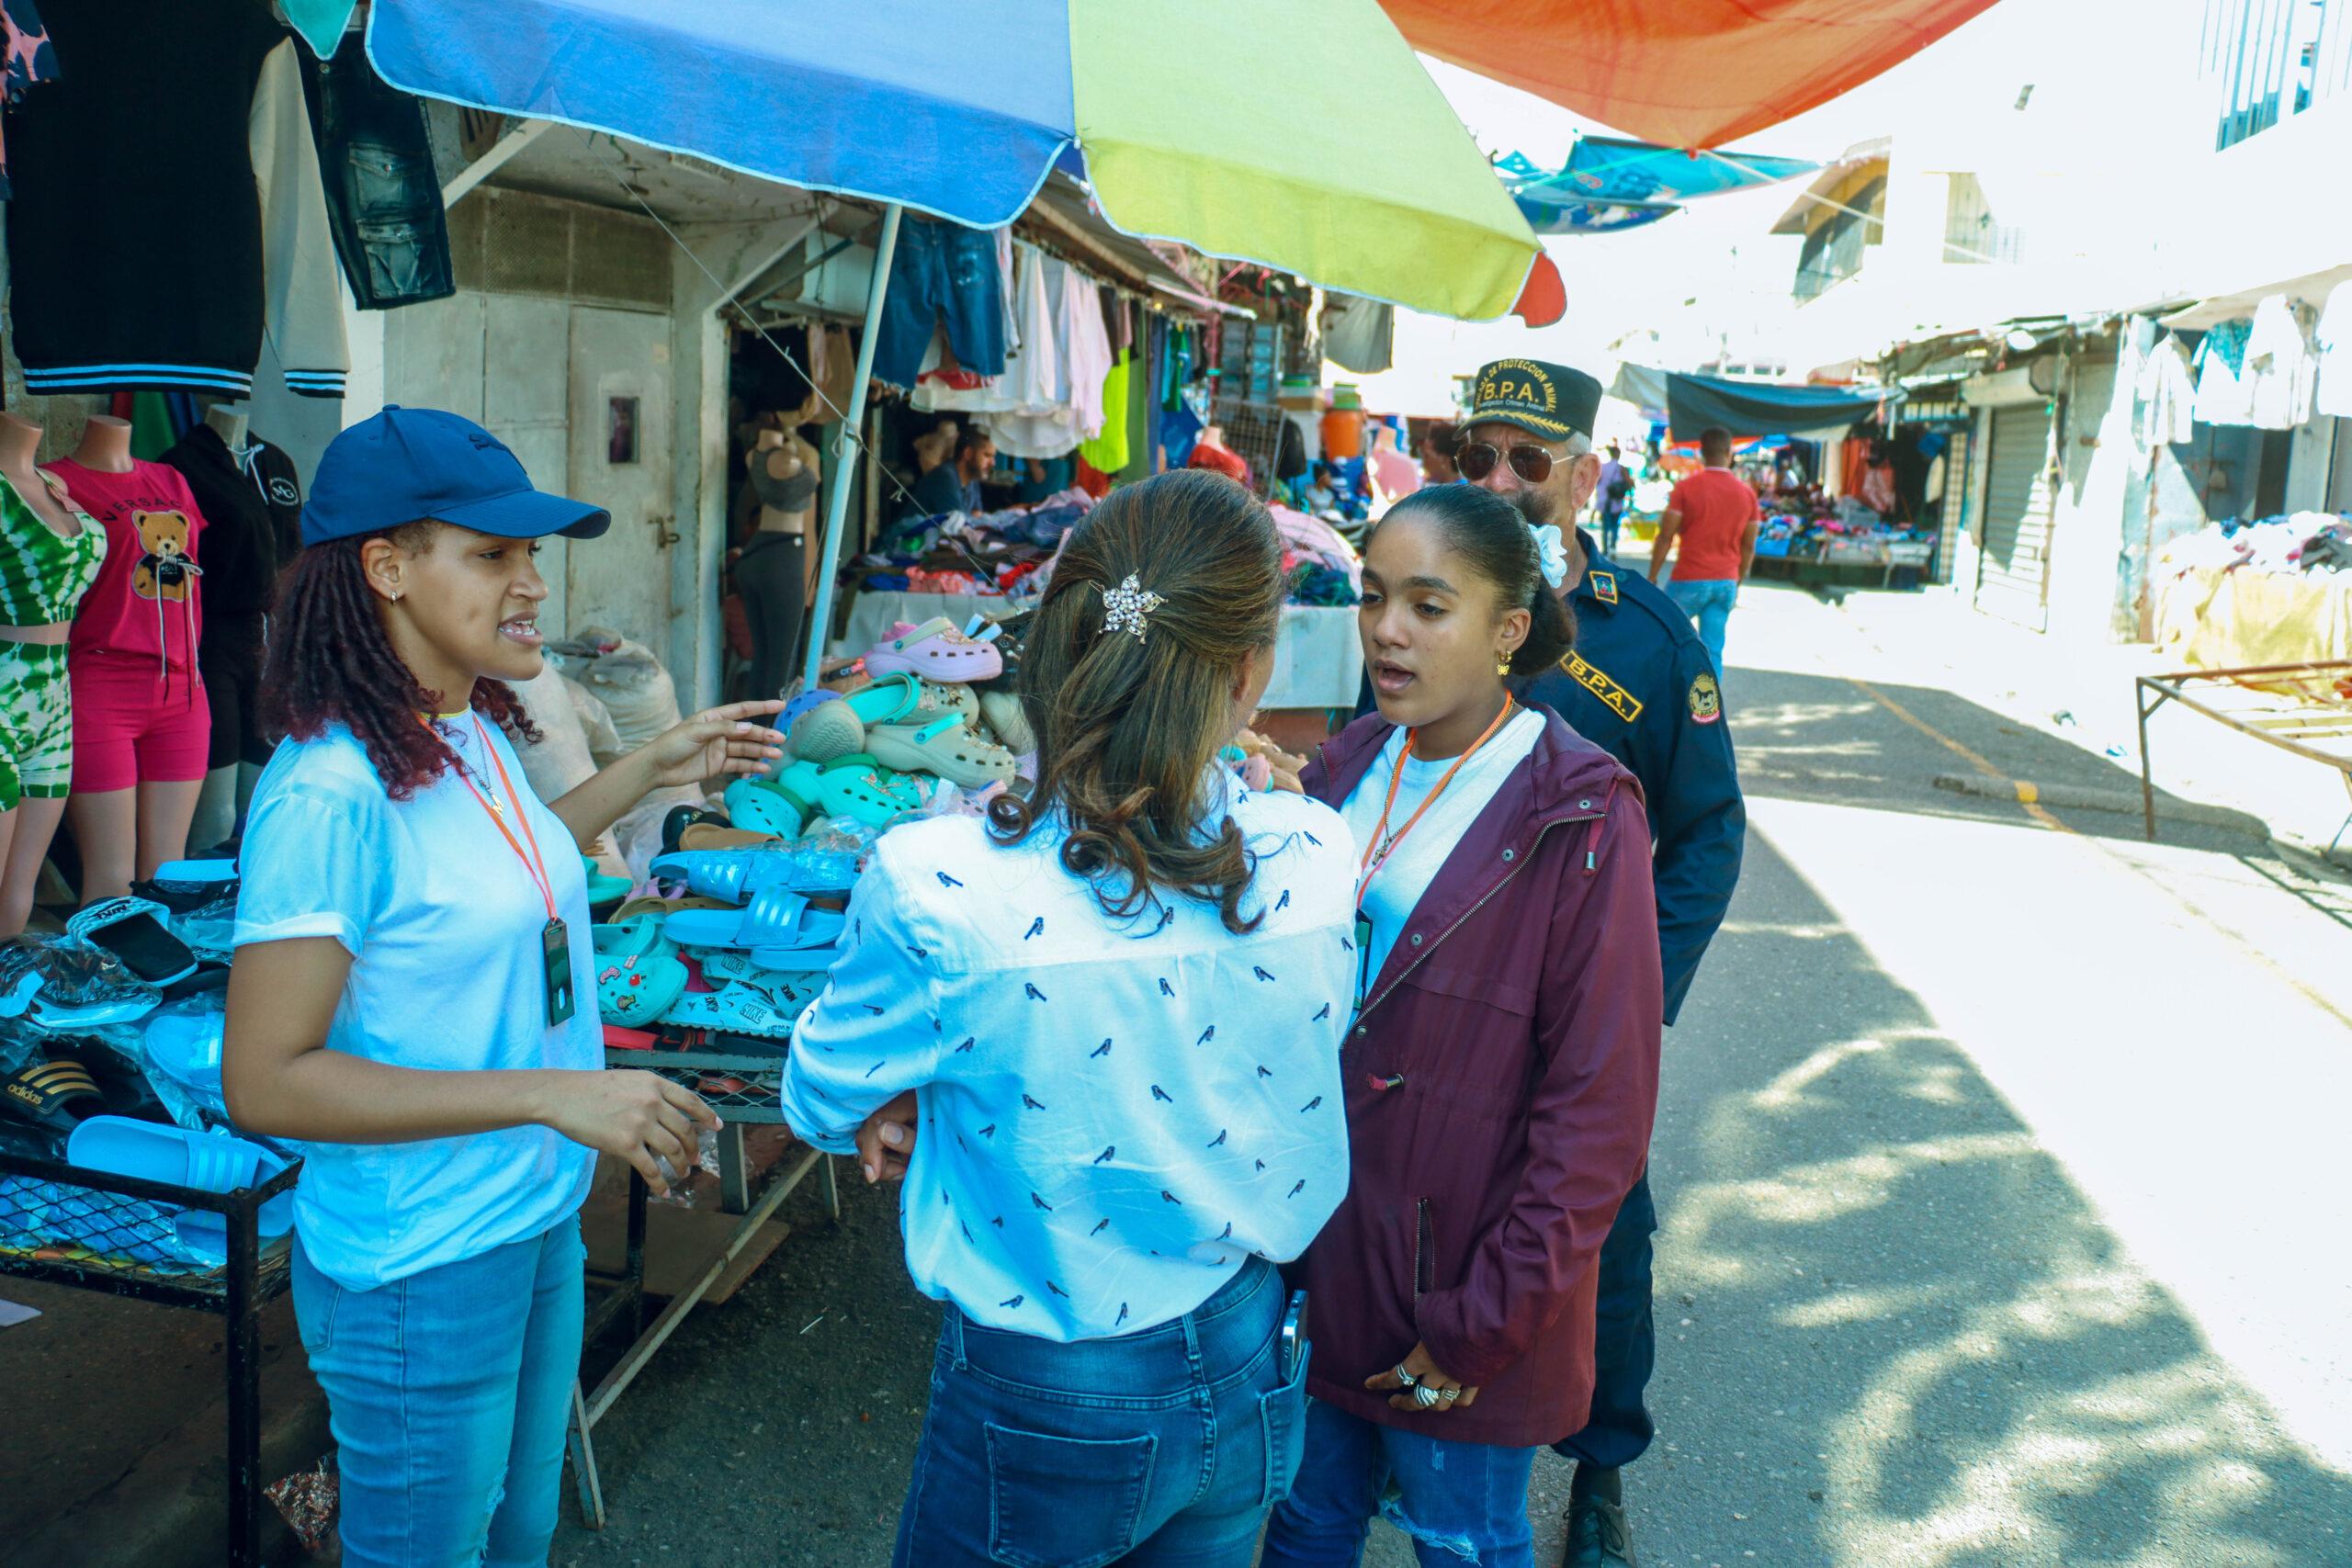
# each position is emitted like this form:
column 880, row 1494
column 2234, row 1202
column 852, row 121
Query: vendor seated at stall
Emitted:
column 956, row 486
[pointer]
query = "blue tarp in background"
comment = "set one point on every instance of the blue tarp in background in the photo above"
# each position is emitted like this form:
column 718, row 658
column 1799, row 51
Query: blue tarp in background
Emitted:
column 1754, row 408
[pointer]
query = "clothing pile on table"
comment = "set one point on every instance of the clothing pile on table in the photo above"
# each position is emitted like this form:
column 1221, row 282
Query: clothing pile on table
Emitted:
column 2309, row 543
column 975, row 554
column 1801, row 522
column 1318, row 563
column 110, row 1060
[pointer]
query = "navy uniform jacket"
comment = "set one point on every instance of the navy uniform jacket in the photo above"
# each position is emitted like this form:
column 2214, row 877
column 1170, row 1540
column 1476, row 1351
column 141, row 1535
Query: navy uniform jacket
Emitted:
column 1640, row 686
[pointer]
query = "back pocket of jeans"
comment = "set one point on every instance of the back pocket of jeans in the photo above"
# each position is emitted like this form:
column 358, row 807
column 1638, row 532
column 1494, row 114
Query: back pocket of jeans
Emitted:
column 1064, row 1502
column 1283, row 1414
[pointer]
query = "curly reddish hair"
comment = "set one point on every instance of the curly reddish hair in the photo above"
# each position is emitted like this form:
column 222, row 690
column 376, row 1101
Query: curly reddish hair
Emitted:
column 331, row 661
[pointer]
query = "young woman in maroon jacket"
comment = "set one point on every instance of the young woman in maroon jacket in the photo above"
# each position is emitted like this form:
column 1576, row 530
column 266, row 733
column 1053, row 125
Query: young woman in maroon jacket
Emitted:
column 1502, row 1068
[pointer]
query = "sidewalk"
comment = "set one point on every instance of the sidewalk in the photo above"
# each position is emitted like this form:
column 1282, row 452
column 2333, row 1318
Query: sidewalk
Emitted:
column 2080, row 694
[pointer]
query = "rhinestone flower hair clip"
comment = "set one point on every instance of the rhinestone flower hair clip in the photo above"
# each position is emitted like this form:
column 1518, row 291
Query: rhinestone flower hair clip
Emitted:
column 1130, row 606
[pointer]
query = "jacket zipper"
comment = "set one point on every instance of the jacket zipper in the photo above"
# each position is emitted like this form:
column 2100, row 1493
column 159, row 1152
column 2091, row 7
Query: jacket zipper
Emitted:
column 1490, row 896
column 1424, row 1250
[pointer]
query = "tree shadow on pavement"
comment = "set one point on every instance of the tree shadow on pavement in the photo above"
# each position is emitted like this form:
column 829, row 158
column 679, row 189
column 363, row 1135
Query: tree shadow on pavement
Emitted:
column 1892, row 1333
column 1864, row 742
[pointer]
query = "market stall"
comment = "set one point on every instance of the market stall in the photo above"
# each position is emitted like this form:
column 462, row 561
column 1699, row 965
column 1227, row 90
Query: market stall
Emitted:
column 2278, row 592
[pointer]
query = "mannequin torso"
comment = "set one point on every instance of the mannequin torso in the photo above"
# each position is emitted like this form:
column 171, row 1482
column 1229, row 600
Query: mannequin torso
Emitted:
column 19, row 445
column 784, row 475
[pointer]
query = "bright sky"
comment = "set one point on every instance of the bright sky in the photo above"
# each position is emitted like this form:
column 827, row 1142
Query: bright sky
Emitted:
column 1714, row 268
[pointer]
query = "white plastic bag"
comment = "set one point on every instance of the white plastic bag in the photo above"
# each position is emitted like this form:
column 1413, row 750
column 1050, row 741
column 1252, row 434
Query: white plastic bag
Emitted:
column 636, row 691
column 560, row 762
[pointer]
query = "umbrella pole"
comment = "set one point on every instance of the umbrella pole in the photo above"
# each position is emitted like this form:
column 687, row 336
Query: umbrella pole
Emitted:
column 845, row 449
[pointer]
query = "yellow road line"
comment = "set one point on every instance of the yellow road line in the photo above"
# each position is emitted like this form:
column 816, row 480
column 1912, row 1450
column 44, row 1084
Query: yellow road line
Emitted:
column 2028, row 796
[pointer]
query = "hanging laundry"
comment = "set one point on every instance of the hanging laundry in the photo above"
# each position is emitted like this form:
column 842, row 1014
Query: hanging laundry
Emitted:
column 2280, row 369
column 2222, row 394
column 941, row 273
column 383, row 196
column 2164, row 394
column 2332, row 342
column 1108, row 451
column 1359, row 334
column 30, row 61
column 215, row 168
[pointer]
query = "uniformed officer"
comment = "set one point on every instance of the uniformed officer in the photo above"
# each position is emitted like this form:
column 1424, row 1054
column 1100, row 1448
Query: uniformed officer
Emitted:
column 1640, row 686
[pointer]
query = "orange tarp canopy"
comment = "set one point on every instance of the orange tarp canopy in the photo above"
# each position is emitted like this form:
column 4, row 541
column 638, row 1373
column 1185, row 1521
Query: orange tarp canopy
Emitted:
column 1679, row 72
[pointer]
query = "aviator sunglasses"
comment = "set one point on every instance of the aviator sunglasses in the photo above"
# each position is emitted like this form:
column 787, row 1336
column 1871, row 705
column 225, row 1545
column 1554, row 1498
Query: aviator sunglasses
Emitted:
column 1475, row 459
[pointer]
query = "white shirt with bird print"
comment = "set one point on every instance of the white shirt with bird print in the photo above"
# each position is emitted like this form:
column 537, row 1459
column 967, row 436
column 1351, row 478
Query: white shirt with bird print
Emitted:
column 1113, row 1115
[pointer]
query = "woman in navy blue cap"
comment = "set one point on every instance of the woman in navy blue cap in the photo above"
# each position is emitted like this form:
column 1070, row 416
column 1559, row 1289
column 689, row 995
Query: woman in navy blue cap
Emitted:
column 413, row 998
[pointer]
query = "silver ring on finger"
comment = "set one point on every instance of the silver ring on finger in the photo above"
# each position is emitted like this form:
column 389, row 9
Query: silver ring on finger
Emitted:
column 1449, row 1394
column 1403, row 1376
column 1424, row 1396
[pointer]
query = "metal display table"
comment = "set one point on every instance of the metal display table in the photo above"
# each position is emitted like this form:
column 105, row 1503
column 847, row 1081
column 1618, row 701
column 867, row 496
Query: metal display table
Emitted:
column 2302, row 708
column 742, row 1088
column 113, row 1220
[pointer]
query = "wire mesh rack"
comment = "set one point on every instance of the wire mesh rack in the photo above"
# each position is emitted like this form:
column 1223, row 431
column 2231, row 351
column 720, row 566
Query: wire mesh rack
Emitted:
column 90, row 1230
column 741, row 1086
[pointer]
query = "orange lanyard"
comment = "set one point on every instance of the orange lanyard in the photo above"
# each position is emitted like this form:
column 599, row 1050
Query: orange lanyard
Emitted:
column 534, row 865
column 1370, row 866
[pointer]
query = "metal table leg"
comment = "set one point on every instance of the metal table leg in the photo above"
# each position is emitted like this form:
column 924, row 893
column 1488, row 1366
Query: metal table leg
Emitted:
column 734, row 1170
column 243, row 1331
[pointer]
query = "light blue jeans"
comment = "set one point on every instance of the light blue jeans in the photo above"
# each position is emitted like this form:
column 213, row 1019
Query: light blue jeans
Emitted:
column 1460, row 1502
column 449, row 1392
column 1161, row 1448
column 1709, row 602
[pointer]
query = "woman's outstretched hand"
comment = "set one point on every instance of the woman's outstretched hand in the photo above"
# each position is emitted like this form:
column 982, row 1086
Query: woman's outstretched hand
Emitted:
column 714, row 743
column 1423, row 1373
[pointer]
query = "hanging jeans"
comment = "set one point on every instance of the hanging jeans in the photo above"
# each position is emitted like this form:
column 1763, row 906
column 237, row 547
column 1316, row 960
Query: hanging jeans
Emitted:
column 941, row 269
column 1708, row 601
column 1162, row 1447
column 447, row 1392
column 383, row 194
column 1460, row 1502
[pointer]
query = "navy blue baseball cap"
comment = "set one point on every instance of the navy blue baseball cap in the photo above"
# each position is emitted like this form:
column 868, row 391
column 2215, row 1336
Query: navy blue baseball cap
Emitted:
column 406, row 465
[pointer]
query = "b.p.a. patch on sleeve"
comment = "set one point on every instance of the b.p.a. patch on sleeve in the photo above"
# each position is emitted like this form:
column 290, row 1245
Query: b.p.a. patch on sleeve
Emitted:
column 1593, row 679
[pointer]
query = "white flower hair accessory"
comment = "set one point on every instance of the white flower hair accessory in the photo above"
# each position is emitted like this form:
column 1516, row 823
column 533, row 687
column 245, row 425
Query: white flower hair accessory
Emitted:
column 1130, row 606
column 1553, row 548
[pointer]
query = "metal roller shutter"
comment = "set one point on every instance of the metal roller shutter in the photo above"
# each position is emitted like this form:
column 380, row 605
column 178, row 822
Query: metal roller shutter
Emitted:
column 2013, row 570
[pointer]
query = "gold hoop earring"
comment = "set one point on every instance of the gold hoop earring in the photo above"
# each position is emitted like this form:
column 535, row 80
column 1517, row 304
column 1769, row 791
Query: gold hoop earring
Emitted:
column 1502, row 663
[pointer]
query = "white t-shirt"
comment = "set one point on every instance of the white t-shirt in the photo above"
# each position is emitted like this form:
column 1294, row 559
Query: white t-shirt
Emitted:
column 444, row 927
column 1390, row 901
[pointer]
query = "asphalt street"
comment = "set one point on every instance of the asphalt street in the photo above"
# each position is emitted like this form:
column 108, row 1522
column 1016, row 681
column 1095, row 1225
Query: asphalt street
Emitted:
column 2001, row 1179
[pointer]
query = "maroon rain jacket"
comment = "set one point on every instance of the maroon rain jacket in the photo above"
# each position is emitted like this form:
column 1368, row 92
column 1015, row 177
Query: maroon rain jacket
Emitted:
column 1501, row 1080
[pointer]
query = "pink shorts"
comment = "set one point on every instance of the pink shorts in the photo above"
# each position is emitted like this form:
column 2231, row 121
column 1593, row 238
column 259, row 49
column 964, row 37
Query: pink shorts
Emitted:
column 134, row 723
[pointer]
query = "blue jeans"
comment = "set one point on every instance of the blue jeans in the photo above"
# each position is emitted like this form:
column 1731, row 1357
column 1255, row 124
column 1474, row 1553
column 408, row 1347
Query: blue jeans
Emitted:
column 1624, row 1342
column 1611, row 522
column 448, row 1393
column 1709, row 602
column 941, row 269
column 1161, row 1448
column 1461, row 1502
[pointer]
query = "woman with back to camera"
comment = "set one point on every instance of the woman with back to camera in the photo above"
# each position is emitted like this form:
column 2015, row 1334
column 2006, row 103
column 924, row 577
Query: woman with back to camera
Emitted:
column 1501, row 1066
column 411, row 994
column 1119, row 1005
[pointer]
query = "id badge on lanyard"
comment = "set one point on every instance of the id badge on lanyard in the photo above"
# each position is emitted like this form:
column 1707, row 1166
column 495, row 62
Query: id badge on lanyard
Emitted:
column 554, row 944
column 1363, row 959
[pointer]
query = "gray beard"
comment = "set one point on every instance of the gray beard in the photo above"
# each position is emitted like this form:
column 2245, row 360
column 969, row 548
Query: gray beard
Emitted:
column 1538, row 506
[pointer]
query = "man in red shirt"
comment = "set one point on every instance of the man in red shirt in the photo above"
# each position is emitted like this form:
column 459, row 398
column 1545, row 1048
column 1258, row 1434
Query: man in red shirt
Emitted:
column 1714, row 515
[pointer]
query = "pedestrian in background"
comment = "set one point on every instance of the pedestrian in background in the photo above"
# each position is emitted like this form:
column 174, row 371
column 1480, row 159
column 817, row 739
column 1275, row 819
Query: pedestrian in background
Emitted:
column 1714, row 515
column 1640, row 686
column 1612, row 496
column 1502, row 1070
column 1119, row 1003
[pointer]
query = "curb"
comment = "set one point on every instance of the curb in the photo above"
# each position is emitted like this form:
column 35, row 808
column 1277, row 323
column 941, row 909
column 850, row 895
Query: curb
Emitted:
column 2124, row 802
